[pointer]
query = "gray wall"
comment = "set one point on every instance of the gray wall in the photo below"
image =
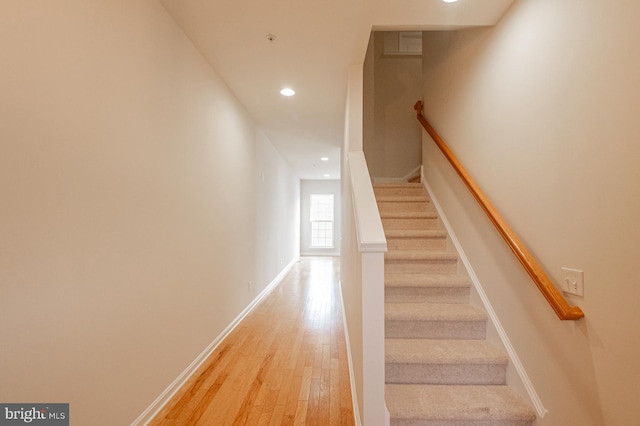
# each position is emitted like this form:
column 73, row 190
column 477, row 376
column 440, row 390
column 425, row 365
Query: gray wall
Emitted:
column 393, row 84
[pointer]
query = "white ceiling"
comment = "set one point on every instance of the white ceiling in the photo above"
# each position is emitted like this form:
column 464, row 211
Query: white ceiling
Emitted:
column 315, row 44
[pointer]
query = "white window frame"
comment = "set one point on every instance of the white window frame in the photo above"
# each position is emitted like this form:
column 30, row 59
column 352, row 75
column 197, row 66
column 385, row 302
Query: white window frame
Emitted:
column 321, row 215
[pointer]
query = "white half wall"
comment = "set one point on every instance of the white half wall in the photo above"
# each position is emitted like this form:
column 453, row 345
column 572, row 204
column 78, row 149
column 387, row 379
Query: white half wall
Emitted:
column 142, row 210
column 350, row 259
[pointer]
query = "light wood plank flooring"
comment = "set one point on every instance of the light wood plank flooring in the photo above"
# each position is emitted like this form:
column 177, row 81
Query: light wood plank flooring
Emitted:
column 284, row 364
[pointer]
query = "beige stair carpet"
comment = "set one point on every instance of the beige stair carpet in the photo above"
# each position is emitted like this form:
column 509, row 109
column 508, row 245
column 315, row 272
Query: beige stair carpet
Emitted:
column 440, row 370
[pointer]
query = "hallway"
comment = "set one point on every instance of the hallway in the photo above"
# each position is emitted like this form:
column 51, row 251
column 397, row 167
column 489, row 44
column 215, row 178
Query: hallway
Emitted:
column 285, row 363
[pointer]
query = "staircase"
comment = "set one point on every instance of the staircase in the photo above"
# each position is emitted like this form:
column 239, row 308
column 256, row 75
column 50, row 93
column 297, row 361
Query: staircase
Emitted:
column 440, row 370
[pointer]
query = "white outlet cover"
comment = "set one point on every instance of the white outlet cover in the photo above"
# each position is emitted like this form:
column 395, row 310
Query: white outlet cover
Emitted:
column 572, row 281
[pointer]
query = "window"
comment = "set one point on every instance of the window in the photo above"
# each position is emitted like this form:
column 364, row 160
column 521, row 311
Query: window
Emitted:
column 321, row 220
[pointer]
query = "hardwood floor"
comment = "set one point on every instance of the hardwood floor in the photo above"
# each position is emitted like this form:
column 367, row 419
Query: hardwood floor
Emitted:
column 284, row 364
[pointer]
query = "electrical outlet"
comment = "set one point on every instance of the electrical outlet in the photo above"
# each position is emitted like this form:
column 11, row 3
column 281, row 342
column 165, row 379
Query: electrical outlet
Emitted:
column 573, row 281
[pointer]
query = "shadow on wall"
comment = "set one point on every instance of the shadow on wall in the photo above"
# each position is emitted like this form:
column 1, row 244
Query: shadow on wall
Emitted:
column 392, row 84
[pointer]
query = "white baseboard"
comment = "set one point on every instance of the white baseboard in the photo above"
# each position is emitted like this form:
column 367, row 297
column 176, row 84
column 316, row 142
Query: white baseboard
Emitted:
column 312, row 254
column 157, row 405
column 413, row 173
column 352, row 378
column 388, row 180
column 511, row 352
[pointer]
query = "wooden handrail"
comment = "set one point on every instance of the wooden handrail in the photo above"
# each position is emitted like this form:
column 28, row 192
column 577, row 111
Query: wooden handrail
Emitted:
column 548, row 289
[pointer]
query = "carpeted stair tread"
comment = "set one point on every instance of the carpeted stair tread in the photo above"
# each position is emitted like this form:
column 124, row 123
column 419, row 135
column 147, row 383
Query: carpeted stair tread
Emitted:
column 416, row 255
column 399, row 189
column 420, row 261
column 426, row 280
column 433, row 288
column 422, row 311
column 442, row 351
column 416, row 239
column 414, row 404
column 403, row 199
column 415, row 233
column 408, row 215
column 444, row 362
column 398, row 185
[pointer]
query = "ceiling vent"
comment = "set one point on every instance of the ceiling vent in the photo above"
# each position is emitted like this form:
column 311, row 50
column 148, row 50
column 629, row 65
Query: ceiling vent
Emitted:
column 403, row 43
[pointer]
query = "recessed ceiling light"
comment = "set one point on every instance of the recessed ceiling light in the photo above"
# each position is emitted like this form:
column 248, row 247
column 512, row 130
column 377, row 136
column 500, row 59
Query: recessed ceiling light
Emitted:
column 327, row 175
column 449, row 1
column 325, row 158
column 287, row 92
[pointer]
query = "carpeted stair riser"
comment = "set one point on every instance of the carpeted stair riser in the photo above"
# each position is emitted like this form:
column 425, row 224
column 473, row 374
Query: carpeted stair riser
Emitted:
column 401, row 188
column 426, row 266
column 414, row 243
column 407, row 206
column 457, row 362
column 421, row 280
column 426, row 288
column 421, row 329
column 403, row 192
column 446, row 374
column 433, row 321
column 427, row 294
column 423, row 221
column 451, row 405
column 416, row 239
column 400, row 199
column 454, row 422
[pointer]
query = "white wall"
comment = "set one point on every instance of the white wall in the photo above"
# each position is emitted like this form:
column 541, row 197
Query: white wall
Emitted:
column 542, row 109
column 308, row 187
column 133, row 210
column 392, row 142
column 350, row 259
column 277, row 214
